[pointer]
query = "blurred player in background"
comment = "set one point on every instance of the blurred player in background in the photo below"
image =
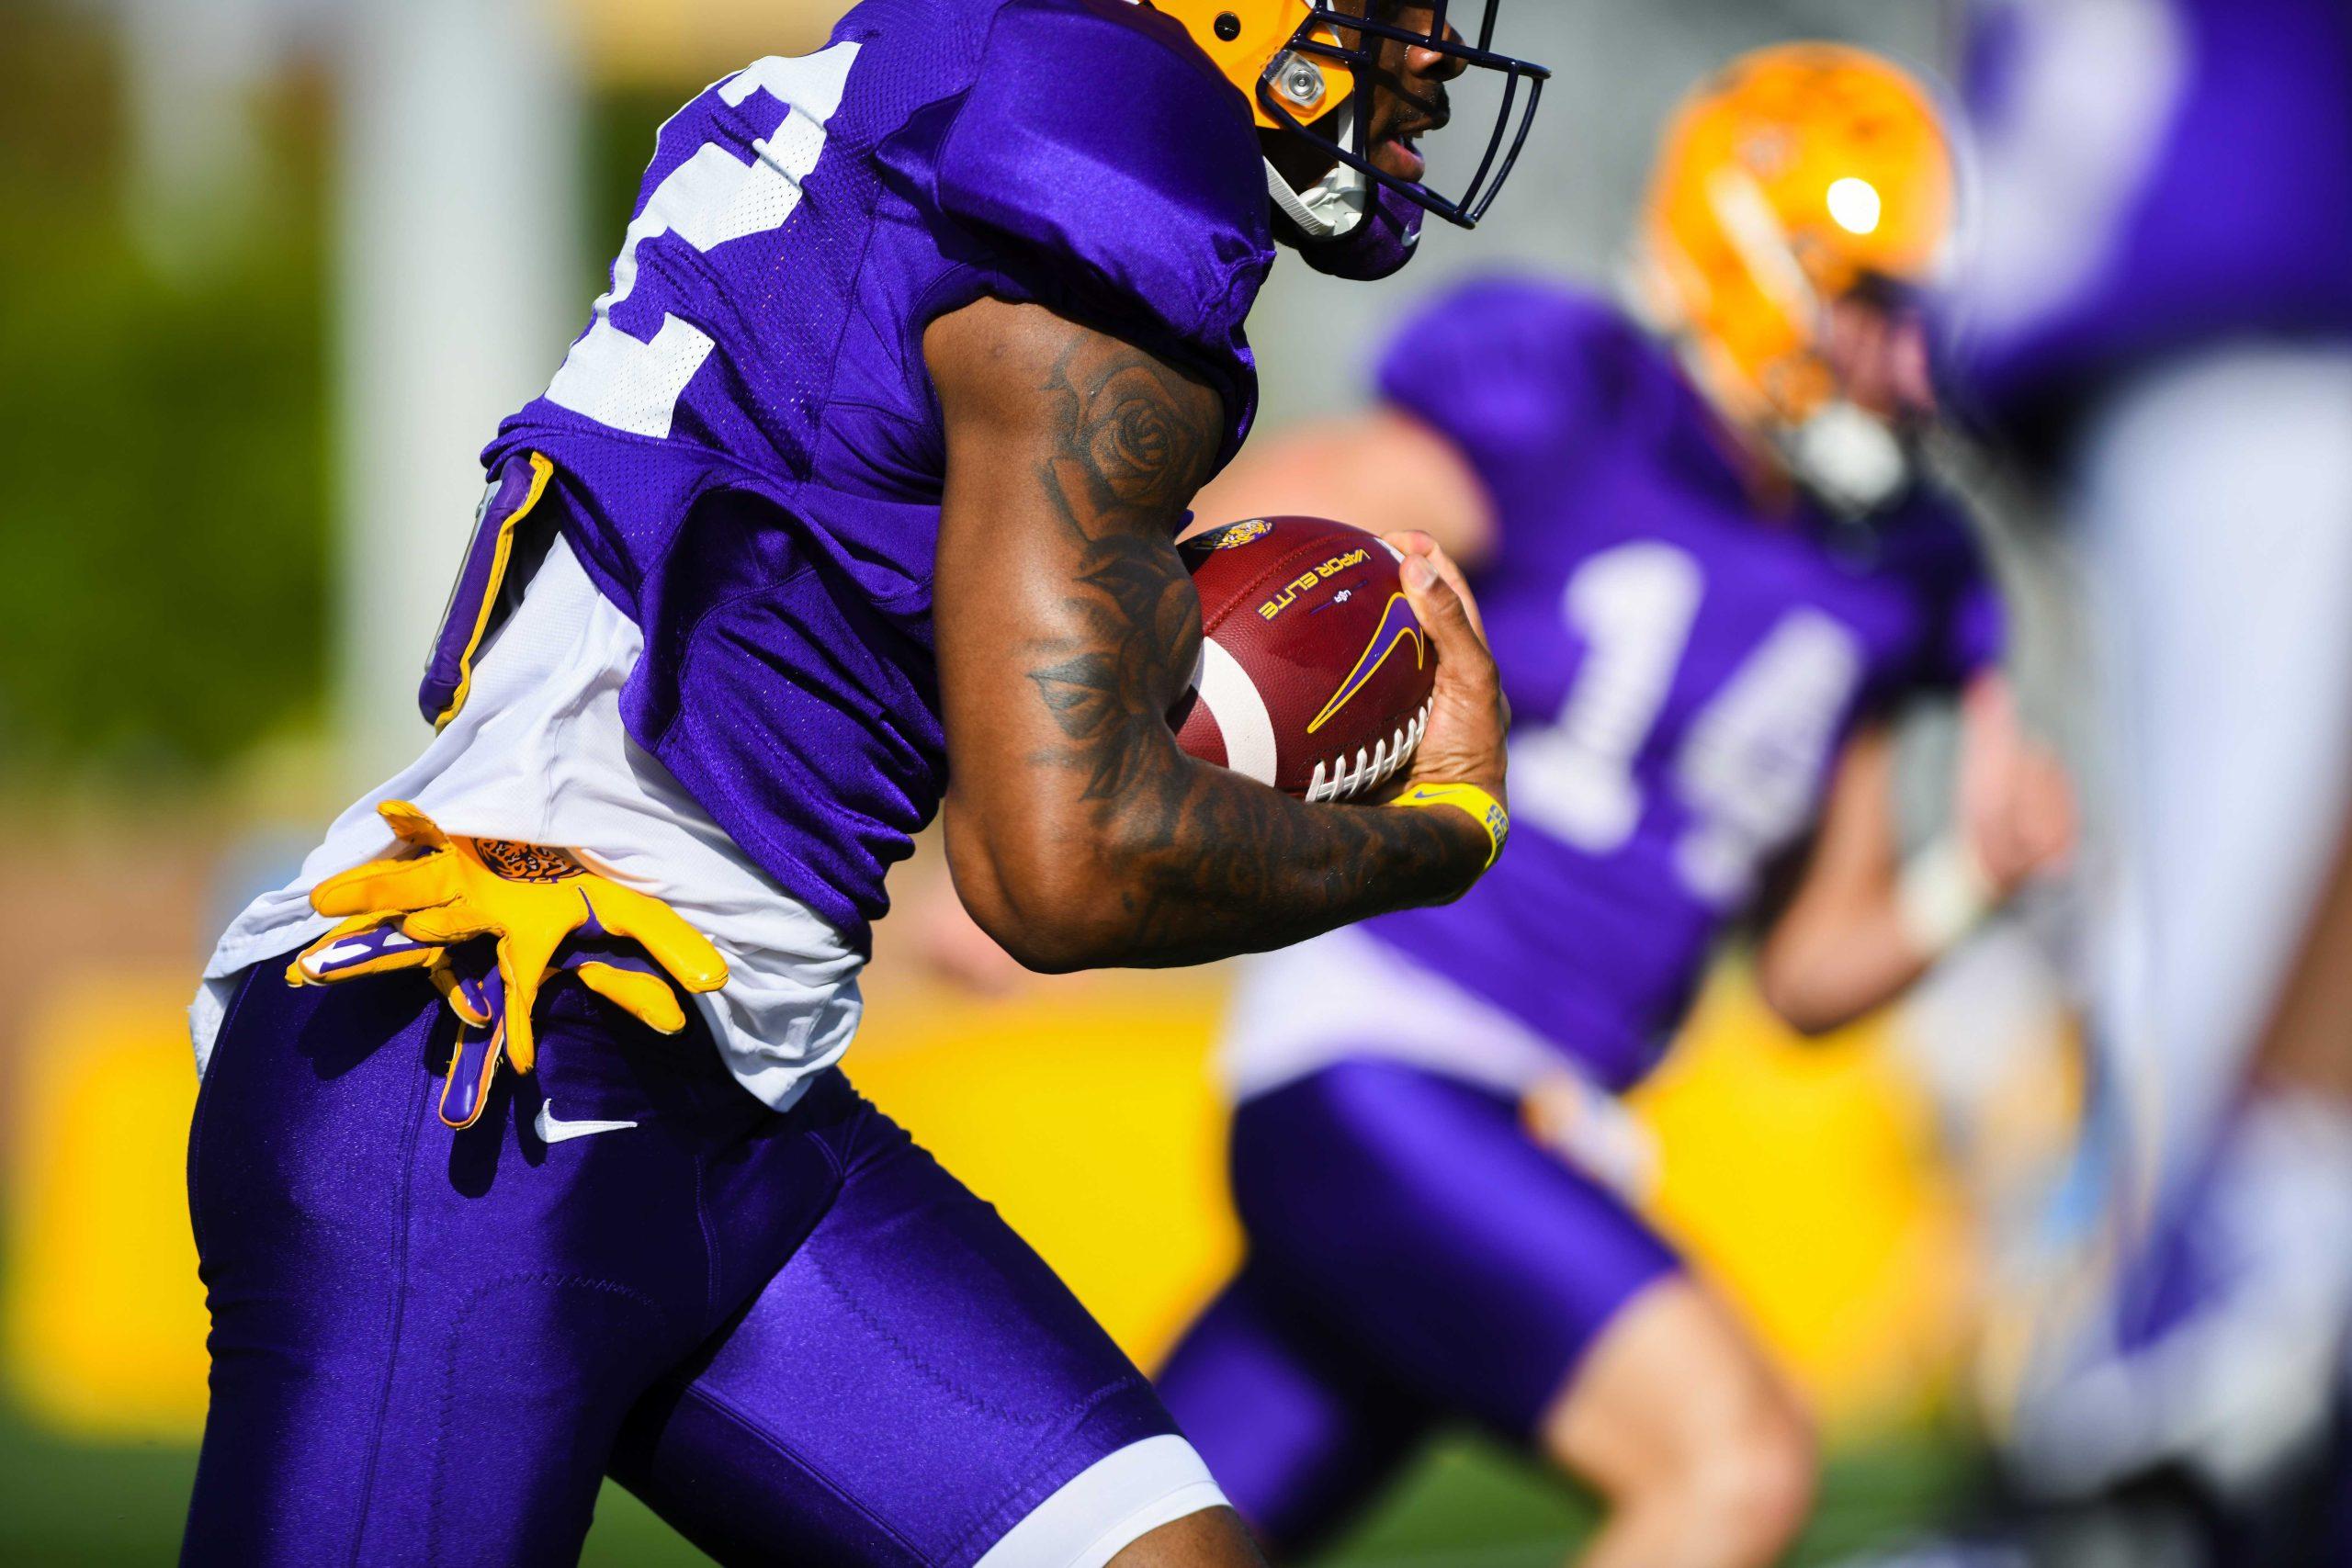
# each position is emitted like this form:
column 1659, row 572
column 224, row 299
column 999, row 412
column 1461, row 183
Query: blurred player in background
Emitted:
column 2158, row 317
column 1714, row 575
column 873, row 455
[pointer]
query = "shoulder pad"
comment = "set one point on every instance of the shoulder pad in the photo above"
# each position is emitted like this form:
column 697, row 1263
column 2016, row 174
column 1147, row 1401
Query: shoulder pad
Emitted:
column 1115, row 175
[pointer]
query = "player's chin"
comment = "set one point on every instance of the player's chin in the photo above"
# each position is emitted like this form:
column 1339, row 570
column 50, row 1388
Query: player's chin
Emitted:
column 1397, row 156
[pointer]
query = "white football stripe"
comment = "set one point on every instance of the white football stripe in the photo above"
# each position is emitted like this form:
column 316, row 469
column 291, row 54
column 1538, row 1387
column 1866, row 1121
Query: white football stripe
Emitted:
column 1239, row 711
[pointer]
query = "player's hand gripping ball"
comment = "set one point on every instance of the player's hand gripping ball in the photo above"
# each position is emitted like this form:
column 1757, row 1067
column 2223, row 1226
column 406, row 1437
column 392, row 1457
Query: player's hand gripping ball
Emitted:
column 1316, row 677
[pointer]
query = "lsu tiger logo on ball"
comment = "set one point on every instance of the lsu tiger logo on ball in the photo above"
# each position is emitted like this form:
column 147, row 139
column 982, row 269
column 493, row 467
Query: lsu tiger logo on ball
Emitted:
column 1240, row 533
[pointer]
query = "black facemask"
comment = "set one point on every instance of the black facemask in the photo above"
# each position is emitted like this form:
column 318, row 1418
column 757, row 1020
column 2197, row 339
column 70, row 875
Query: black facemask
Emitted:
column 1296, row 77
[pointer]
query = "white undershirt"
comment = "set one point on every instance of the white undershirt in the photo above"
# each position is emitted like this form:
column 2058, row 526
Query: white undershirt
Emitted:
column 1370, row 1000
column 538, row 754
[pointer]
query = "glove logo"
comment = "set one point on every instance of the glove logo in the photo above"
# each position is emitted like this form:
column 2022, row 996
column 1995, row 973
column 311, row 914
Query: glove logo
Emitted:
column 419, row 910
column 1397, row 627
column 527, row 863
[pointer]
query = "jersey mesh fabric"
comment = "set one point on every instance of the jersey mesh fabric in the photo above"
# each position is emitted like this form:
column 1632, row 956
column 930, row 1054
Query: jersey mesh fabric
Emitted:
column 1683, row 661
column 537, row 755
column 748, row 443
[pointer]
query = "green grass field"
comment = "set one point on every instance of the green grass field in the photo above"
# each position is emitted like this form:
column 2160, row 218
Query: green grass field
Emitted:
column 1465, row 1507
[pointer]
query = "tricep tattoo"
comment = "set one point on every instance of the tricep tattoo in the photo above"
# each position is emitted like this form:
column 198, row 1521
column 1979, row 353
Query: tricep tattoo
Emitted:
column 1224, row 865
column 1135, row 441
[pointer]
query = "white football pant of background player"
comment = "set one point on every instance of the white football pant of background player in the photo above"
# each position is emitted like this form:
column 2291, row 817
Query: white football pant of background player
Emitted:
column 2214, row 498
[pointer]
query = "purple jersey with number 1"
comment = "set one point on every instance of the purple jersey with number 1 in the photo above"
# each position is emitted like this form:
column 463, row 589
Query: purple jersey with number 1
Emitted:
column 1682, row 662
column 748, row 455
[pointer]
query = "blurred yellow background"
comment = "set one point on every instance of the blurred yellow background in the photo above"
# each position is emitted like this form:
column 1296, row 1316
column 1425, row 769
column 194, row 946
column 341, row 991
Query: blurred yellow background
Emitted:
column 1804, row 1175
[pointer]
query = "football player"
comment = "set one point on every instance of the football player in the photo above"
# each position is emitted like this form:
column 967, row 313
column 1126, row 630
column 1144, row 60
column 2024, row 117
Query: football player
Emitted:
column 871, row 458
column 1712, row 575
column 2157, row 318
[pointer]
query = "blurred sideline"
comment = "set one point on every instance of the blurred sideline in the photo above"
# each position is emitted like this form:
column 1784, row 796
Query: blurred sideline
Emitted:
column 1806, row 1177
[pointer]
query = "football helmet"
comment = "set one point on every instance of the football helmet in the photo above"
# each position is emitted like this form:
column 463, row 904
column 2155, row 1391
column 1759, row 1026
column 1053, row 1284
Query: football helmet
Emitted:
column 1301, row 62
column 1799, row 176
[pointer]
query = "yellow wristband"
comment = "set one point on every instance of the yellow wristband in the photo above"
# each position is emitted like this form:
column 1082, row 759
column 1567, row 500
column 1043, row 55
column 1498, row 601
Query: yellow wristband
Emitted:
column 1481, row 808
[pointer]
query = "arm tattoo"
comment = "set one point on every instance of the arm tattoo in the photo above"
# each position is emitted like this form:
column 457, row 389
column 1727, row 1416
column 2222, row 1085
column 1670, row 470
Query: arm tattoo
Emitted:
column 1222, row 864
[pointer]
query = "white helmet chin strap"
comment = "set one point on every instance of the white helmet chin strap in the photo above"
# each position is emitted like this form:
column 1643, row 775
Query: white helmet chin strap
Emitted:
column 1848, row 457
column 1331, row 209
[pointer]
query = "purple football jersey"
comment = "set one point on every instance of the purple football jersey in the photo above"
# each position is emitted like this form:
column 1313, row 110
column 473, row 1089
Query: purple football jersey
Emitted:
column 2155, row 176
column 749, row 454
column 1682, row 664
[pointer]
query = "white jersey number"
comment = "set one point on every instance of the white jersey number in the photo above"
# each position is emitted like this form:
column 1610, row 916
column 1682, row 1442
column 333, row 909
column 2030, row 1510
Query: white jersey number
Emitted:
column 710, row 198
column 1634, row 607
column 1748, row 768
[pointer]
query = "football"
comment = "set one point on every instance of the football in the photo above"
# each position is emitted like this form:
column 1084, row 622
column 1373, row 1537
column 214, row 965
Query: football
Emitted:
column 1316, row 676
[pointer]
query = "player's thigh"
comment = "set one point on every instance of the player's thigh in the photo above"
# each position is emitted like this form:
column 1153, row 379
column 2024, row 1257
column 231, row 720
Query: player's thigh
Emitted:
column 1674, row 1397
column 1299, row 1429
column 1212, row 1538
column 2216, row 499
column 1417, row 1219
column 423, row 1343
column 914, row 1387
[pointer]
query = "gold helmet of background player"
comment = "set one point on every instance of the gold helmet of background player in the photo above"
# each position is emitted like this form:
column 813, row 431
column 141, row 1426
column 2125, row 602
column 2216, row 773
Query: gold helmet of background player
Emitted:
column 1790, row 179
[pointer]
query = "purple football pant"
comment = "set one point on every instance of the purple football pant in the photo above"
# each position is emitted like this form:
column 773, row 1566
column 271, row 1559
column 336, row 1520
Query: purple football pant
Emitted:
column 1415, row 1258
column 794, row 1334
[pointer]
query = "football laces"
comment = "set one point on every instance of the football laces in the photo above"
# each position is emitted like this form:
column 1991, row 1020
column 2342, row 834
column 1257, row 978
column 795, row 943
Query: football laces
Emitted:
column 1344, row 778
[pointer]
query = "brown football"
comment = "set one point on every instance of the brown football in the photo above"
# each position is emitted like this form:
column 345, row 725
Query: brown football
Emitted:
column 1316, row 676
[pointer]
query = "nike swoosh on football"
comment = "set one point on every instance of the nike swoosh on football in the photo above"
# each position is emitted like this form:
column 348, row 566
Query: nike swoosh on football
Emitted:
column 1396, row 625
column 554, row 1129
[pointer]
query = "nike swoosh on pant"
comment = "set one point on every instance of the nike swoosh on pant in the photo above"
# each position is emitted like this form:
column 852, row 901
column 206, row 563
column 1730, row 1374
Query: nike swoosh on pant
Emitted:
column 553, row 1129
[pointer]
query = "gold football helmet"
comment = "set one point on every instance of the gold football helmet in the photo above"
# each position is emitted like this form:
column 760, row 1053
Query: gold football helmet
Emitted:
column 1794, row 178
column 1301, row 62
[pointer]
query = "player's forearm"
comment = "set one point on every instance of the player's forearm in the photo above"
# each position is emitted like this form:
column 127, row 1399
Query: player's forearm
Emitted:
column 1080, row 834
column 1821, row 969
column 1840, row 948
column 1110, row 846
column 1157, row 859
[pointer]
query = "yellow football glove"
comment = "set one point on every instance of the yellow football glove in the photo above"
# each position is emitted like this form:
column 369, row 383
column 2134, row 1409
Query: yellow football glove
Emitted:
column 408, row 914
